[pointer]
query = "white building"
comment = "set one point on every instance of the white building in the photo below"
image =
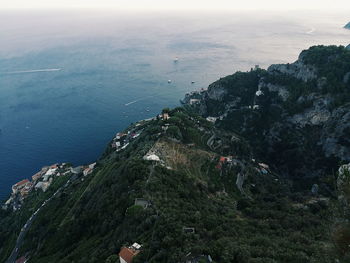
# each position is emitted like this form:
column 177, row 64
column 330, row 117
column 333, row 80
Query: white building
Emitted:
column 151, row 157
column 194, row 101
column 211, row 119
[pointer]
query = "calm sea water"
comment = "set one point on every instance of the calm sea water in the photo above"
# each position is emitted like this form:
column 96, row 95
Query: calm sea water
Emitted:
column 114, row 69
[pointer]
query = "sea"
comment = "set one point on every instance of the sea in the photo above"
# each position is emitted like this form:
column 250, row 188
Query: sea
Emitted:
column 71, row 79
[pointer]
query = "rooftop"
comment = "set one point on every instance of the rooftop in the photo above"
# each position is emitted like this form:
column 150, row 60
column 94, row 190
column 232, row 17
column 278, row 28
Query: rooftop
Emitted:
column 25, row 181
column 128, row 253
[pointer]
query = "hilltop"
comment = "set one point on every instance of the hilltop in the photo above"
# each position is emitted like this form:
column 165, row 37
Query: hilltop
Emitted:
column 244, row 171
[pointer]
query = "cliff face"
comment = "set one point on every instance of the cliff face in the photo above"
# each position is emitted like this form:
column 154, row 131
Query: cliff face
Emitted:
column 296, row 114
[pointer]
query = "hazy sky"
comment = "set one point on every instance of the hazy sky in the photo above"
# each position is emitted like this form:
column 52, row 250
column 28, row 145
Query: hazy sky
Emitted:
column 179, row 4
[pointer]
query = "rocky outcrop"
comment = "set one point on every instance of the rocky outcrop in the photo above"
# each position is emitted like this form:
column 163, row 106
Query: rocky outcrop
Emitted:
column 335, row 139
column 297, row 69
column 281, row 90
column 343, row 175
column 317, row 114
column 216, row 91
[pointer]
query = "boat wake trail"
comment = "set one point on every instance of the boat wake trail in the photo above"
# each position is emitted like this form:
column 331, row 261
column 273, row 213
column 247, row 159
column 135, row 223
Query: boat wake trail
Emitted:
column 32, row 71
column 134, row 101
column 311, row 31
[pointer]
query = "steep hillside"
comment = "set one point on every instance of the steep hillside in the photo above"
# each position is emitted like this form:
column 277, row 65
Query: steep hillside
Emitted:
column 296, row 115
column 245, row 171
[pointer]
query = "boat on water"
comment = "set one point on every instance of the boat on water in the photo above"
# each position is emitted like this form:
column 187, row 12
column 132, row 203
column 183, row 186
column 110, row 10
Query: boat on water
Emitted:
column 169, row 80
column 176, row 60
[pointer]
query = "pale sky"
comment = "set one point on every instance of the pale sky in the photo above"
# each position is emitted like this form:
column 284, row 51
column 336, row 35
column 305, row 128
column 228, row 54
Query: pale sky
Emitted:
column 179, row 4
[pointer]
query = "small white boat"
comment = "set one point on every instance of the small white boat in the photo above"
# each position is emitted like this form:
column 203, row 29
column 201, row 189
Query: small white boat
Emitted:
column 169, row 80
column 176, row 59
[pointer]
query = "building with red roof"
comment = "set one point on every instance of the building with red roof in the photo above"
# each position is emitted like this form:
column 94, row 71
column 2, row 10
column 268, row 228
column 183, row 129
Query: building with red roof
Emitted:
column 20, row 185
column 21, row 260
column 127, row 254
column 222, row 159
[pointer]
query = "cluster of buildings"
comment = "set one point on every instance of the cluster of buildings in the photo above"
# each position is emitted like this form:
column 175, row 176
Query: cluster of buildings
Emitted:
column 122, row 140
column 193, row 97
column 225, row 160
column 42, row 181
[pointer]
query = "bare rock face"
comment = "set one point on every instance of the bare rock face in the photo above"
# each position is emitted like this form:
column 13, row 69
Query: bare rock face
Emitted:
column 216, row 91
column 336, row 134
column 297, row 69
column 282, row 91
column 343, row 175
column 317, row 114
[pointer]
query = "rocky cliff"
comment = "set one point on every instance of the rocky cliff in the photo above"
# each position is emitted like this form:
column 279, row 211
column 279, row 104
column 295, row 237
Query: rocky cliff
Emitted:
column 296, row 114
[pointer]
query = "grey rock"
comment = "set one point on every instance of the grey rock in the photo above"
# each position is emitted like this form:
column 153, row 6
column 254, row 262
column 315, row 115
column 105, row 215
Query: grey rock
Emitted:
column 314, row 189
column 335, row 137
column 216, row 91
column 297, row 69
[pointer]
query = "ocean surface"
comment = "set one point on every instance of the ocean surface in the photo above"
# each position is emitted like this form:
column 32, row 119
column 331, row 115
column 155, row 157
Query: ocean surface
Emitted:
column 70, row 80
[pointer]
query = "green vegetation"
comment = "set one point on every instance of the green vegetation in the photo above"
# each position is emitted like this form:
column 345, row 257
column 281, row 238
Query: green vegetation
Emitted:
column 272, row 220
column 12, row 222
column 332, row 63
column 91, row 220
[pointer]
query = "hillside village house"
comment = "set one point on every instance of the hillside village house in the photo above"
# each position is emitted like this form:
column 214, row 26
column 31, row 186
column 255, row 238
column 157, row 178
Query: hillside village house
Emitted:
column 43, row 185
column 127, row 254
column 142, row 202
column 21, row 184
column 194, row 101
column 87, row 171
column 165, row 116
column 26, row 189
column 37, row 176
